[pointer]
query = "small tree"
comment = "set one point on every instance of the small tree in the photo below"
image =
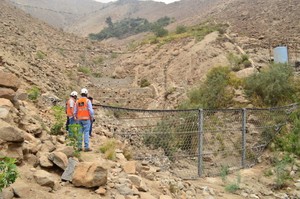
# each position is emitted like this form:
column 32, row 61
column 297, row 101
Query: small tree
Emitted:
column 74, row 137
column 59, row 115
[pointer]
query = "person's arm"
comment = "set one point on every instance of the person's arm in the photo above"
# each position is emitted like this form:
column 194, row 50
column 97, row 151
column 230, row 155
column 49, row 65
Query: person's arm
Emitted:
column 72, row 106
column 75, row 111
column 90, row 108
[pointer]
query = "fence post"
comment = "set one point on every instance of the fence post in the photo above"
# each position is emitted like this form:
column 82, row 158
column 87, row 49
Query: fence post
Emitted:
column 200, row 141
column 244, row 129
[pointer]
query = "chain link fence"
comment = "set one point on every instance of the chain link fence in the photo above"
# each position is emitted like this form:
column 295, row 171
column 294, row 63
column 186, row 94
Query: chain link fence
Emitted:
column 197, row 143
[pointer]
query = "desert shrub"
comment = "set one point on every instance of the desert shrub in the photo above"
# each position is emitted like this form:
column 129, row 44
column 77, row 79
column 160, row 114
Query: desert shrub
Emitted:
column 247, row 64
column 160, row 31
column 282, row 174
column 238, row 62
column 59, row 115
column 40, row 55
column 84, row 69
column 289, row 141
column 180, row 29
column 224, row 172
column 114, row 55
column 201, row 30
column 98, row 60
column 144, row 83
column 33, row 93
column 97, row 74
column 215, row 92
column 73, row 137
column 272, row 86
column 162, row 136
column 109, row 149
column 8, row 172
column 232, row 187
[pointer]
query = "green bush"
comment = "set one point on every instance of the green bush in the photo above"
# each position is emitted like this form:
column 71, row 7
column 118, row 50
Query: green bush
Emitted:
column 238, row 62
column 201, row 30
column 180, row 29
column 40, row 55
column 73, row 138
column 162, row 136
column 98, row 60
column 8, row 172
column 85, row 70
column 213, row 93
column 234, row 186
column 282, row 174
column 109, row 149
column 144, row 83
column 160, row 31
column 289, row 141
column 128, row 27
column 97, row 75
column 272, row 86
column 224, row 172
column 33, row 93
column 59, row 115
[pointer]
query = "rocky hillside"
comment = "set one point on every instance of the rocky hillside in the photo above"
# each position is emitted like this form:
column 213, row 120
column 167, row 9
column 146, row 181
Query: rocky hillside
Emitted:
column 185, row 12
column 271, row 19
column 59, row 14
column 259, row 19
column 37, row 57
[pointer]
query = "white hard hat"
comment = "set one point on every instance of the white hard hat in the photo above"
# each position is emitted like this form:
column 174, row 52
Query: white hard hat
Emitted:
column 84, row 91
column 74, row 94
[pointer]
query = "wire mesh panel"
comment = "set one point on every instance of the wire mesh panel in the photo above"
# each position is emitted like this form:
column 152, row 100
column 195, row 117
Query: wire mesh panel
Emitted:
column 222, row 141
column 262, row 127
column 194, row 143
column 168, row 139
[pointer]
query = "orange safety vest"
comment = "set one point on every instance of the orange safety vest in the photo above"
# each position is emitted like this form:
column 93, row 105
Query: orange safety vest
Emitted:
column 69, row 108
column 82, row 109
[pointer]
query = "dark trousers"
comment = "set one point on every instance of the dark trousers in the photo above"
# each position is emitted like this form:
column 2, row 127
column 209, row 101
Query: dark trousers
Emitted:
column 90, row 133
column 67, row 124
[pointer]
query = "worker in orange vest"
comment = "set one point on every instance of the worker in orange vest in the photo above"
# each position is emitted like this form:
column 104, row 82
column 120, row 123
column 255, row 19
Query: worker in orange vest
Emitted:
column 70, row 110
column 84, row 114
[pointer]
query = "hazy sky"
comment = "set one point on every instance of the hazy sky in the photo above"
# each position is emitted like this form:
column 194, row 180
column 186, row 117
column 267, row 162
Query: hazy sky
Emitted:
column 165, row 1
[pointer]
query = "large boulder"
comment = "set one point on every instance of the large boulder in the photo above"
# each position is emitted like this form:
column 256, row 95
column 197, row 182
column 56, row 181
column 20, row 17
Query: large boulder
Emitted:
column 44, row 178
column 89, row 174
column 6, row 103
column 31, row 125
column 9, row 133
column 7, row 93
column 13, row 150
column 138, row 183
column 60, row 159
column 69, row 171
column 44, row 160
column 9, row 80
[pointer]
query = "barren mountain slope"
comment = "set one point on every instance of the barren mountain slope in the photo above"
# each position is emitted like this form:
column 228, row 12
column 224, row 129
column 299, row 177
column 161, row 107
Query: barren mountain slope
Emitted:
column 93, row 21
column 58, row 13
column 39, row 54
column 270, row 19
column 251, row 18
column 50, row 59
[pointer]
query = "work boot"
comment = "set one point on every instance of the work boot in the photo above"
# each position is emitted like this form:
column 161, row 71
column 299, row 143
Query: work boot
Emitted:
column 87, row 150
